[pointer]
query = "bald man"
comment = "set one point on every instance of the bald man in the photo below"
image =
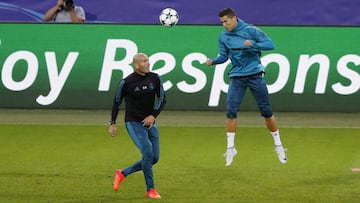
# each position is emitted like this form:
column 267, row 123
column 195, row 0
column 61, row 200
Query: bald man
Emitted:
column 141, row 90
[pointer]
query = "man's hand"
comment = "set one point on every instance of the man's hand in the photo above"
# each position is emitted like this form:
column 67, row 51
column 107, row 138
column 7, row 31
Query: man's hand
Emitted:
column 248, row 43
column 149, row 121
column 209, row 62
column 60, row 3
column 112, row 130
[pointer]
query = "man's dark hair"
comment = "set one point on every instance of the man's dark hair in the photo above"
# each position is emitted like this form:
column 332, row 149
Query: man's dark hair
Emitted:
column 68, row 3
column 229, row 12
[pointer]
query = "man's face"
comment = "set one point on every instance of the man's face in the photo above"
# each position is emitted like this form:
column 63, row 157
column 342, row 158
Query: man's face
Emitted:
column 142, row 64
column 229, row 23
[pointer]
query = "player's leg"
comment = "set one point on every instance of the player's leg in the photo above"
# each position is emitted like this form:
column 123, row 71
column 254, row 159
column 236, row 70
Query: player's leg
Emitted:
column 154, row 139
column 121, row 174
column 151, row 192
column 235, row 95
column 259, row 90
column 147, row 140
column 139, row 135
column 271, row 124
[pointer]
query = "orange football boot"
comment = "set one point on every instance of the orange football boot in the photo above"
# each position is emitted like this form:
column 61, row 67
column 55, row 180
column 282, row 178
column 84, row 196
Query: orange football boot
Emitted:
column 153, row 194
column 119, row 177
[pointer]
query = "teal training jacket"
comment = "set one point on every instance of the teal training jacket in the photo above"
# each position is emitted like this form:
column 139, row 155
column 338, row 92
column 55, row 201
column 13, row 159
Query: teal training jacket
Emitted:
column 245, row 60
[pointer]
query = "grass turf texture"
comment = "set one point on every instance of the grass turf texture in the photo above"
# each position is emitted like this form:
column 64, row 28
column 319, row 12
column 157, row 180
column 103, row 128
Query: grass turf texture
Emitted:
column 75, row 163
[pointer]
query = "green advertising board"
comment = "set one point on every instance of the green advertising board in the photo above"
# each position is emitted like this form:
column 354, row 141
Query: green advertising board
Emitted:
column 80, row 66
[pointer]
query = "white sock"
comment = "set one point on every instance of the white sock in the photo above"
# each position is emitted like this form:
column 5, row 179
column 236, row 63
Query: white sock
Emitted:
column 230, row 139
column 276, row 137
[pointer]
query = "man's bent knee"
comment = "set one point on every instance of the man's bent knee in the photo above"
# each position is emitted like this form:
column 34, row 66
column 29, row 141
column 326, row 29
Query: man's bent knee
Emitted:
column 267, row 114
column 231, row 114
column 155, row 160
column 266, row 111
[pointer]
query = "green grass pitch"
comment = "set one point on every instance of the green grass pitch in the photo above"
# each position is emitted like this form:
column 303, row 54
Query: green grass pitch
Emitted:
column 75, row 163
